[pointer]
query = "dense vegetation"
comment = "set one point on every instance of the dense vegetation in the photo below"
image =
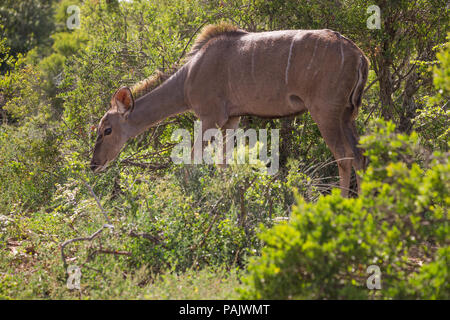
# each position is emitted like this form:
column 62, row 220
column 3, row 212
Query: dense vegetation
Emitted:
column 232, row 233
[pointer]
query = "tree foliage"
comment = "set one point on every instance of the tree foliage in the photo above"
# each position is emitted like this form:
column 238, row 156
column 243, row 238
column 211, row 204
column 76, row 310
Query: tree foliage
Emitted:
column 56, row 83
column 399, row 224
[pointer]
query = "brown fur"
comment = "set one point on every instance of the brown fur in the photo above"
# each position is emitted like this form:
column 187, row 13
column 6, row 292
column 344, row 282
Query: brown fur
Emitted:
column 231, row 73
column 212, row 31
column 207, row 33
column 145, row 86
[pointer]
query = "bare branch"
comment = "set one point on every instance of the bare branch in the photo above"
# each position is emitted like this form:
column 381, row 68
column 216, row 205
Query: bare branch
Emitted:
column 152, row 238
column 90, row 238
column 108, row 251
column 371, row 84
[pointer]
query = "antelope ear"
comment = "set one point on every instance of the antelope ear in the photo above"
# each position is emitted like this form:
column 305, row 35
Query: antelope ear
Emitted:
column 123, row 101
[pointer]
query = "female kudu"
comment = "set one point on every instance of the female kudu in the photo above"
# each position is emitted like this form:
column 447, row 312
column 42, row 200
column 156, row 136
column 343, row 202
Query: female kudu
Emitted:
column 231, row 73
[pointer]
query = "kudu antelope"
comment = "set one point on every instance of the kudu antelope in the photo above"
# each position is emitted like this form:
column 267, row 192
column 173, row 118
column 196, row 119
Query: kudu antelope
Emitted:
column 231, row 73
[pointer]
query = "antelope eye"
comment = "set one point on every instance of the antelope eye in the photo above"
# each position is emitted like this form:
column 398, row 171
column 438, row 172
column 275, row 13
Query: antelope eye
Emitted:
column 108, row 131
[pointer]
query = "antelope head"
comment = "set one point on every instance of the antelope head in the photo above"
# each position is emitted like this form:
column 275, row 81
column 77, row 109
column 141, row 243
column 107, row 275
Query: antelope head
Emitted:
column 112, row 131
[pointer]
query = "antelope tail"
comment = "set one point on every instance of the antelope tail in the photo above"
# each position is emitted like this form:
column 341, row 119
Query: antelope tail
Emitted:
column 358, row 90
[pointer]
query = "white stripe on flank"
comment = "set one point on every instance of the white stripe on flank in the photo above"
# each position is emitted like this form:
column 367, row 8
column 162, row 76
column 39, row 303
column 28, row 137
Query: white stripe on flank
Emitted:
column 313, row 55
column 323, row 57
column 253, row 63
column 230, row 87
column 289, row 59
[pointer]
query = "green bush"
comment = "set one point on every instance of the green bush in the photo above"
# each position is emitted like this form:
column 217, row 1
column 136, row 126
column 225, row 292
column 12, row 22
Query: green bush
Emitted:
column 175, row 220
column 399, row 223
column 203, row 216
column 28, row 166
column 432, row 121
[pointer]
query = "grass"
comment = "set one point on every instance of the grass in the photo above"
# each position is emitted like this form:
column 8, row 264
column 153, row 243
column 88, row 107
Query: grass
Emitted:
column 31, row 267
column 31, row 279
